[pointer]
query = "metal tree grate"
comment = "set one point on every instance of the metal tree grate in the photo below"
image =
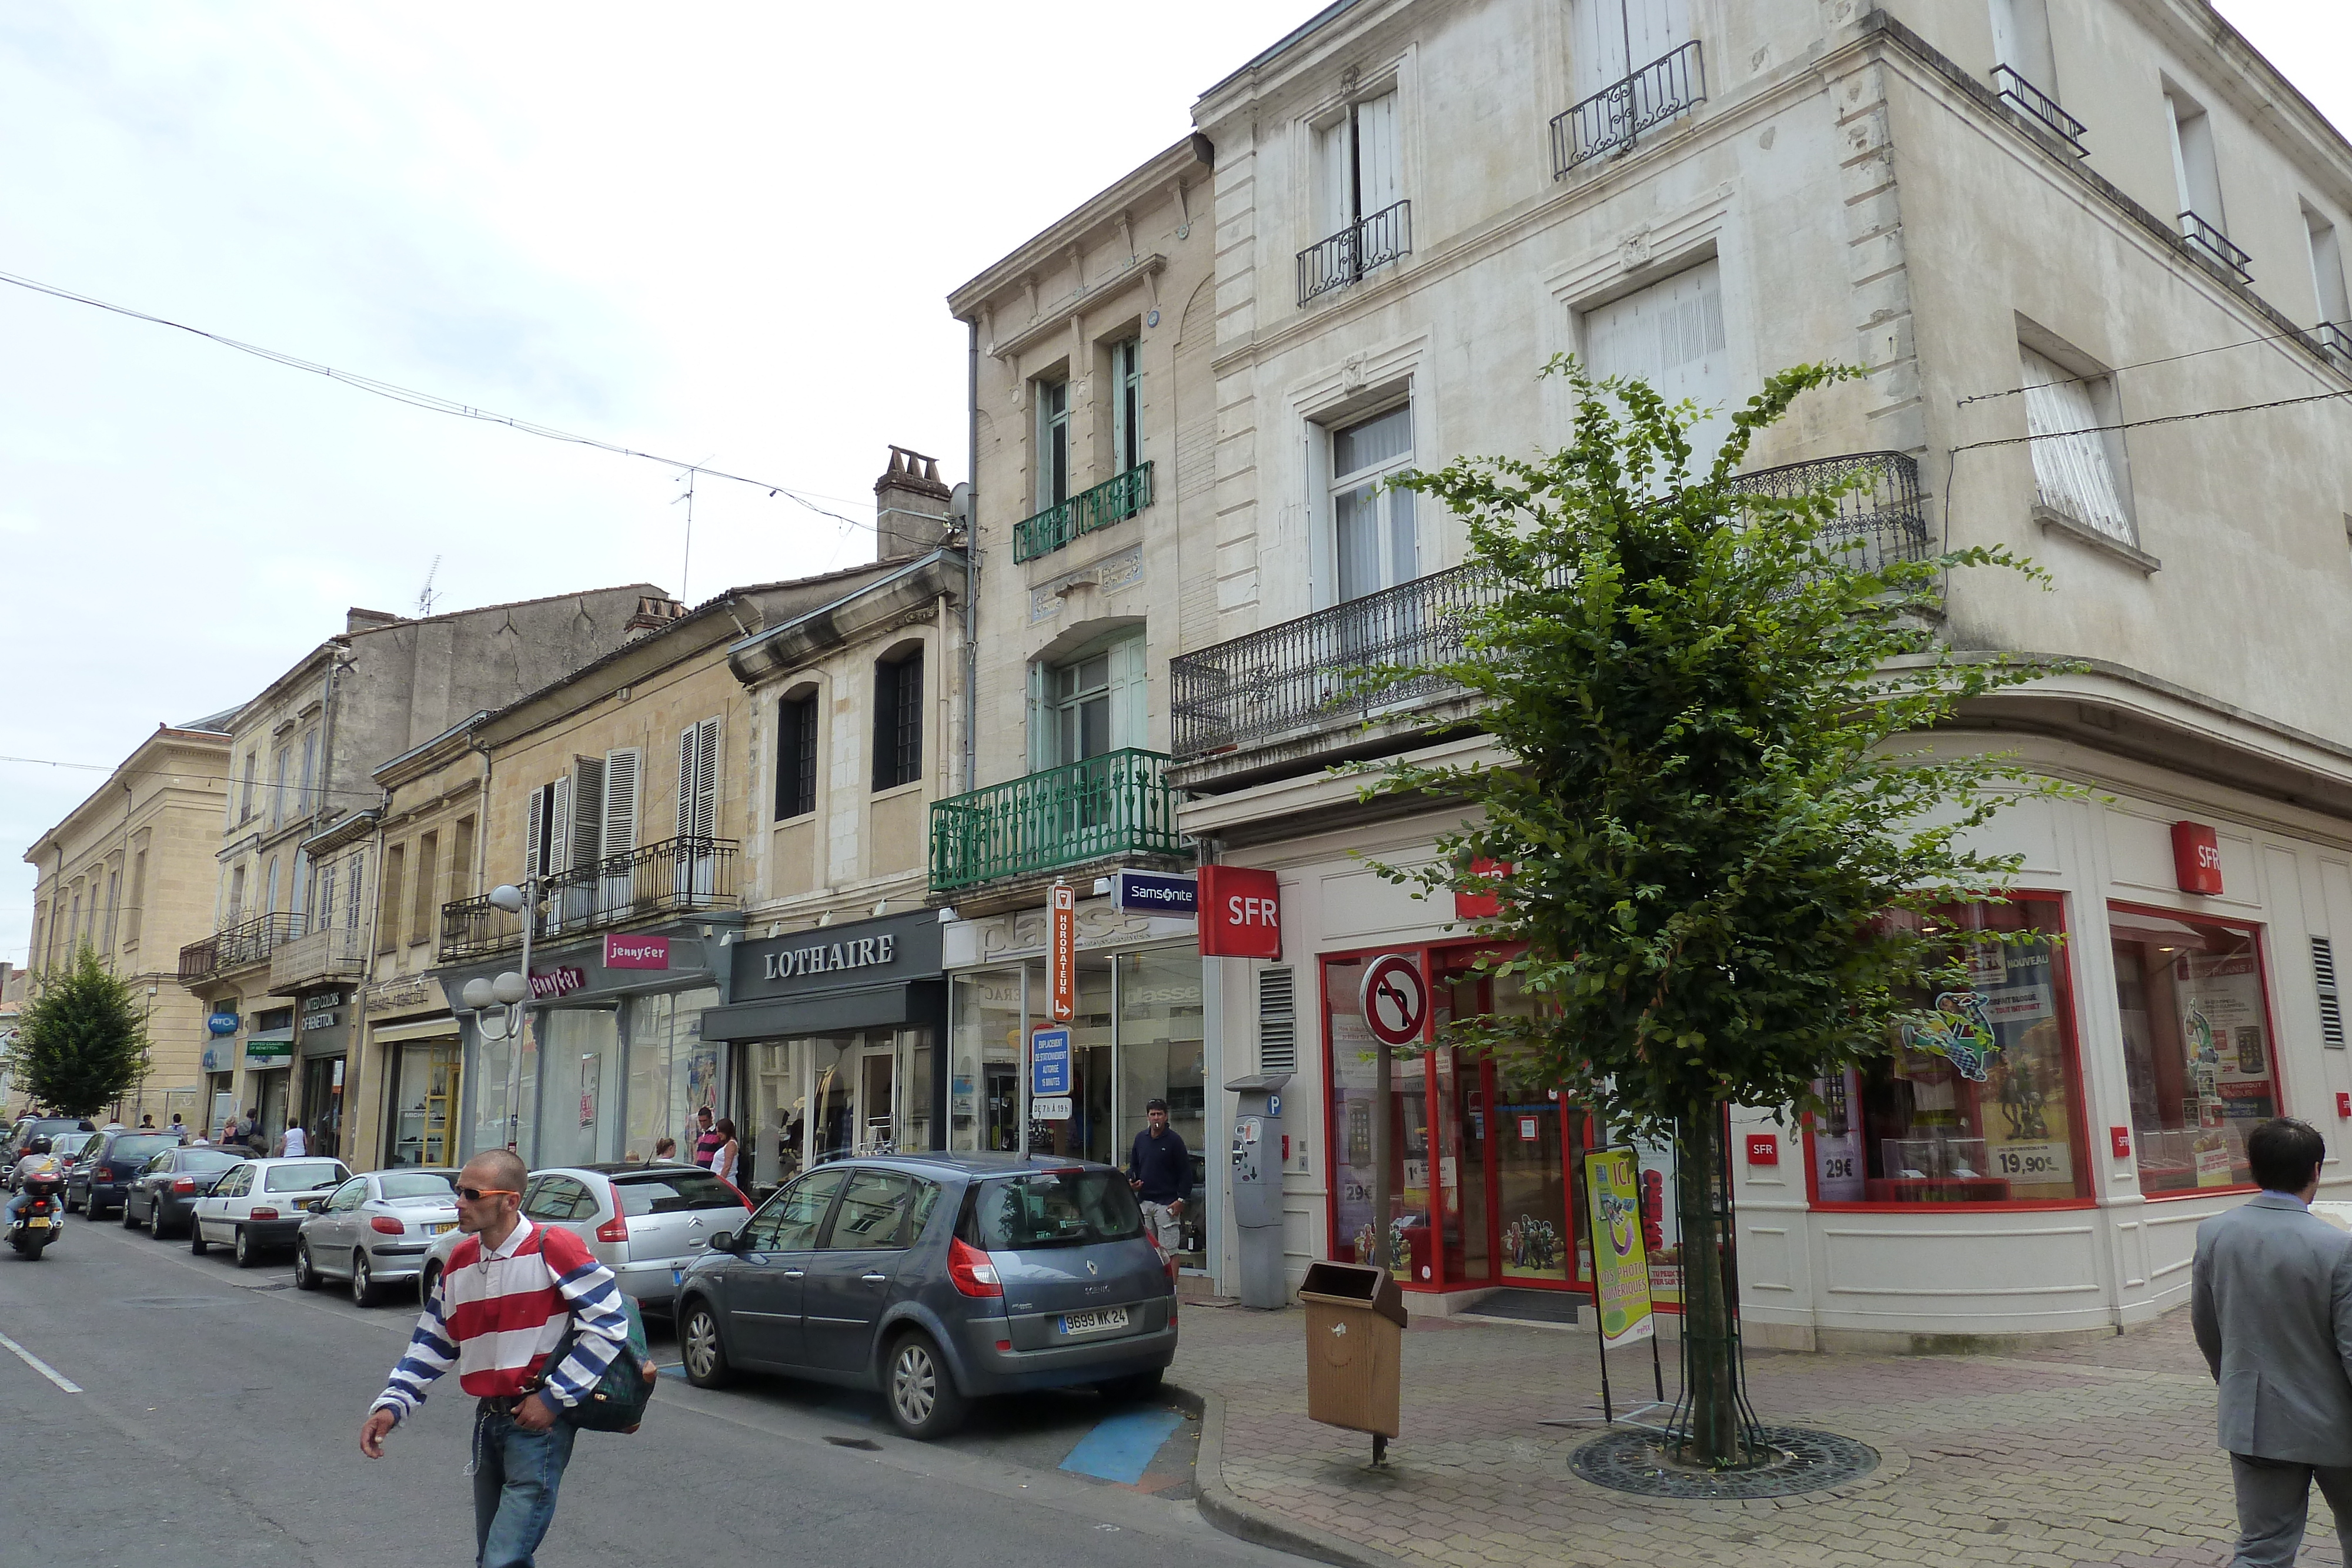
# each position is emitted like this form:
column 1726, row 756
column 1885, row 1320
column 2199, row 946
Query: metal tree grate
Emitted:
column 1803, row 1460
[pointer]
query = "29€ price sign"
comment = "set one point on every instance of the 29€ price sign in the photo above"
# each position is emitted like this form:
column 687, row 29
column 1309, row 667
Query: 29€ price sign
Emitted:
column 1062, row 953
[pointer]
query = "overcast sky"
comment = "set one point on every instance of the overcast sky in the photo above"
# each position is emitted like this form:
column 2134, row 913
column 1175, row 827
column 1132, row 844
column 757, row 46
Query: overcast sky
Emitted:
column 719, row 232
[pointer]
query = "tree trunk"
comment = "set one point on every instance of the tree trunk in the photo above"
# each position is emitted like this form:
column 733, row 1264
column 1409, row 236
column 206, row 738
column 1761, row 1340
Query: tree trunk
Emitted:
column 1714, row 1429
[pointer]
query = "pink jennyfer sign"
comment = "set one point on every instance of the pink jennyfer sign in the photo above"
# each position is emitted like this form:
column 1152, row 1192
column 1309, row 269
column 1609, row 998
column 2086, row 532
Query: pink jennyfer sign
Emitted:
column 637, row 952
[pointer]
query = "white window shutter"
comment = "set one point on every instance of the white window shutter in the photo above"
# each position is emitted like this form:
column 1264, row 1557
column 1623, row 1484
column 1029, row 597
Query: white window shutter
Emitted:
column 587, row 819
column 1334, row 178
column 351, row 900
column 2070, row 470
column 533, row 849
column 685, row 782
column 1596, row 46
column 706, row 779
column 1130, row 694
column 558, row 817
column 326, row 897
column 1671, row 335
column 621, row 770
column 1378, row 179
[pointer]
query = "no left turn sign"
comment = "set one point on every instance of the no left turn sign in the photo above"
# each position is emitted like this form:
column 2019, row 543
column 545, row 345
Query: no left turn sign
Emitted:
column 1395, row 999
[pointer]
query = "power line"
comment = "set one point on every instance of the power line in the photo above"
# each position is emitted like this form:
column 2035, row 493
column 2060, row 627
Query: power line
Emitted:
column 259, row 784
column 2136, row 365
column 2158, row 419
column 430, row 402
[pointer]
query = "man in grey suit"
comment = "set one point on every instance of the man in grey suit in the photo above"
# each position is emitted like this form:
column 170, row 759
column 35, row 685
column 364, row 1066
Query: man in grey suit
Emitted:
column 2270, row 1300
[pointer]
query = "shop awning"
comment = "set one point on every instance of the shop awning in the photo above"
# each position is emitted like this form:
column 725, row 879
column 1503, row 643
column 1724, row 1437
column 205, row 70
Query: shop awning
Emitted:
column 431, row 1028
column 828, row 1012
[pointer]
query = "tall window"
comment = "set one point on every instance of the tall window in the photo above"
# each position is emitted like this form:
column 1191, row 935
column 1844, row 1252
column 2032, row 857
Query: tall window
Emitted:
column 2077, row 465
column 73, row 928
column 310, row 772
column 1609, row 40
column 420, row 903
column 2195, row 170
column 325, row 900
column 2021, row 40
column 352, row 878
column 797, row 756
column 1979, row 1100
column 1127, row 413
column 1672, row 336
column 1377, row 542
column 269, row 905
column 134, row 916
column 461, row 859
column 236, row 901
column 1080, row 705
column 388, row 886
column 278, row 804
column 1356, row 171
column 2198, row 1055
column 244, row 799
column 1053, row 443
column 2327, row 268
column 899, row 720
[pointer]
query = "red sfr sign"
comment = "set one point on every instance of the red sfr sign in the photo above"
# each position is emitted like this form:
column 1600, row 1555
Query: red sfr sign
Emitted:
column 2196, row 858
column 1763, row 1148
column 1241, row 913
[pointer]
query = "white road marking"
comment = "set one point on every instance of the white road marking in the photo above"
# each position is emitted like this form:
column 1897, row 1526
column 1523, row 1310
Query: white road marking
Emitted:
column 43, row 1367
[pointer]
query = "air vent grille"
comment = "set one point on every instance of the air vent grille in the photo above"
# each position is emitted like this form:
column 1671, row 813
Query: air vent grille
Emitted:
column 1277, row 1022
column 2331, row 1005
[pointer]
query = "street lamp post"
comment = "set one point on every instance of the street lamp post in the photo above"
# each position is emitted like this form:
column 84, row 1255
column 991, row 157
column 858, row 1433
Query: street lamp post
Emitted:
column 505, row 1002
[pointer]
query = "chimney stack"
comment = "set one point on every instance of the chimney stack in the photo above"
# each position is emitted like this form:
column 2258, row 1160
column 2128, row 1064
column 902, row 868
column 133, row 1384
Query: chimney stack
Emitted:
column 911, row 506
column 358, row 620
column 653, row 612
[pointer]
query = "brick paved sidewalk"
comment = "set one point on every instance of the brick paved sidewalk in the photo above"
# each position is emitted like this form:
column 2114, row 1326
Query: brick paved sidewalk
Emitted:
column 2099, row 1452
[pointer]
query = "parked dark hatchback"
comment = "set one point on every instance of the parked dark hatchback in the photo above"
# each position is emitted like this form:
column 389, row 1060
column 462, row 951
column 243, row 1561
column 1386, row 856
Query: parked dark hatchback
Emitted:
column 101, row 1178
column 937, row 1279
column 162, row 1197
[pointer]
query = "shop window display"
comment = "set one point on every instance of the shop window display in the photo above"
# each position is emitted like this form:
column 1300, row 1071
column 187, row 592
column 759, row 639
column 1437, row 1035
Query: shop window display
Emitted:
column 2198, row 1054
column 1160, row 1058
column 1355, row 1097
column 673, row 1071
column 984, row 1081
column 1977, row 1102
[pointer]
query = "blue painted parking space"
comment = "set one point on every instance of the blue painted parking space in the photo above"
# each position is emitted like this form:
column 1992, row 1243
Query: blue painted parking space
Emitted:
column 1121, row 1448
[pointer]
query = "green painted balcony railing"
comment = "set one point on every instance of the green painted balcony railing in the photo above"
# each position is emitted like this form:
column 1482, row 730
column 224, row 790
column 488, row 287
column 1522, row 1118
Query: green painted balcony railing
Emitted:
column 1118, row 804
column 1113, row 500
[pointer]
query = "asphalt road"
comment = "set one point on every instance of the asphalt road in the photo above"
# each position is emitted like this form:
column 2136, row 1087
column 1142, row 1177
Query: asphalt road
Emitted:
column 217, row 1417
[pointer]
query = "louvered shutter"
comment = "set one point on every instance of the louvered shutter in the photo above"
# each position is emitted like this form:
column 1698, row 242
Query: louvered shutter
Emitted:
column 351, row 893
column 2070, row 470
column 1379, row 183
column 686, row 771
column 326, row 898
column 1130, row 704
column 587, row 822
column 2331, row 1004
column 1335, row 178
column 1278, row 1020
column 532, row 846
column 706, row 779
column 621, row 770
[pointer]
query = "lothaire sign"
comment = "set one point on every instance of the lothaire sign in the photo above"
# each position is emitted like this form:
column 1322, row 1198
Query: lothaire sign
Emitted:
column 1621, row 1265
column 1049, row 1065
column 1062, row 953
column 636, row 952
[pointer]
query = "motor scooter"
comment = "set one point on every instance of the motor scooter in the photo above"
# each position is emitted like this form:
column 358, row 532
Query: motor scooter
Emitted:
column 42, row 1216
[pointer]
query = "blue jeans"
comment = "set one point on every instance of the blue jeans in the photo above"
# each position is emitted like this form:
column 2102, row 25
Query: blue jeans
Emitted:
column 516, row 1473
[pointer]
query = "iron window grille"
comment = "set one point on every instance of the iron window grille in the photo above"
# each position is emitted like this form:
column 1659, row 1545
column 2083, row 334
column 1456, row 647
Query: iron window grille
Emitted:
column 898, row 722
column 795, row 756
column 2206, row 240
column 1362, row 246
column 1612, row 120
column 2040, row 108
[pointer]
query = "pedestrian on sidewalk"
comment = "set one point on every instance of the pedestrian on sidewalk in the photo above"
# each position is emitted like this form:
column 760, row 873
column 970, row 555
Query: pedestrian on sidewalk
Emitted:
column 729, row 1154
column 707, row 1140
column 498, row 1313
column 1159, row 1169
column 293, row 1142
column 2271, row 1303
column 665, row 1152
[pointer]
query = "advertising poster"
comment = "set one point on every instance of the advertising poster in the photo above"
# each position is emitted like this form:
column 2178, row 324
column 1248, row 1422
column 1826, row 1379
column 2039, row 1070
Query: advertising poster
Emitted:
column 1613, row 1181
column 1661, row 1233
column 1838, row 1173
column 2229, row 1060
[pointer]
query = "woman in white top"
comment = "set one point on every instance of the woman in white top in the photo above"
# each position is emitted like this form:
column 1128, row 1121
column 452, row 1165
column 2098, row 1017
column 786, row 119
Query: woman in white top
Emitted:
column 722, row 1164
column 294, row 1143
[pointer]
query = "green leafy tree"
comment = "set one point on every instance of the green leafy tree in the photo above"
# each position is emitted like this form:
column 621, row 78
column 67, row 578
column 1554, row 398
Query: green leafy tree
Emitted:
column 81, row 1041
column 1720, row 832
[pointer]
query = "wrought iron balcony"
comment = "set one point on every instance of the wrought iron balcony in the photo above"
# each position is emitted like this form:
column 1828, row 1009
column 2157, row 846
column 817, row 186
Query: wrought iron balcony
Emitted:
column 2040, row 108
column 673, row 877
column 2336, row 338
column 1346, row 257
column 248, row 942
column 1312, row 676
column 1612, row 120
column 1116, row 804
column 2206, row 240
column 331, row 953
column 1112, row 501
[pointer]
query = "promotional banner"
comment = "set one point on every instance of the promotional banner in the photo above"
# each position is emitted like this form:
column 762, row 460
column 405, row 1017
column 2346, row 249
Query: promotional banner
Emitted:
column 1062, row 954
column 1621, row 1265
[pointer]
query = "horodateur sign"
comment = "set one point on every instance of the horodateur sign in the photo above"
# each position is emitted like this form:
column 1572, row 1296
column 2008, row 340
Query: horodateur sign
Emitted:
column 858, row 953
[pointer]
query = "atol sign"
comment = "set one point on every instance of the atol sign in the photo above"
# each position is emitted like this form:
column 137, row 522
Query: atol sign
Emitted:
column 636, row 952
column 2196, row 858
column 1241, row 913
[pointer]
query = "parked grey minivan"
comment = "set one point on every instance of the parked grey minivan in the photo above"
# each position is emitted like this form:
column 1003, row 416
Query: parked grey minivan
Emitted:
column 937, row 1279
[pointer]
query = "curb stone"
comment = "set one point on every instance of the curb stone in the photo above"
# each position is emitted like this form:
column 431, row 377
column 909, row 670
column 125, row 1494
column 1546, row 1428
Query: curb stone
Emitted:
column 1247, row 1521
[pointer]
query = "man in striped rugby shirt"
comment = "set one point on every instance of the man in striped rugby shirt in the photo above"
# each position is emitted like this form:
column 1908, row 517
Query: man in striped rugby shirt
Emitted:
column 497, row 1315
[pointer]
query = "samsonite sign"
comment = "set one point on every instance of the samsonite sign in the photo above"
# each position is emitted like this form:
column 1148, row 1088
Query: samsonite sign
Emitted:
column 1241, row 913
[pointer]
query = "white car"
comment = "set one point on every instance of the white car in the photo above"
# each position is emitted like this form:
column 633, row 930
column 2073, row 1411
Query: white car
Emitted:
column 646, row 1223
column 260, row 1205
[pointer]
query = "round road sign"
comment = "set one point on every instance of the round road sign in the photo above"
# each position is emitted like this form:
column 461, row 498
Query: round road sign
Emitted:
column 1395, row 999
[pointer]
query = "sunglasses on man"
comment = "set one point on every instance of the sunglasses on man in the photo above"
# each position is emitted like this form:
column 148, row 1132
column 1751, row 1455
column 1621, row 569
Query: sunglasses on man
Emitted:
column 476, row 1194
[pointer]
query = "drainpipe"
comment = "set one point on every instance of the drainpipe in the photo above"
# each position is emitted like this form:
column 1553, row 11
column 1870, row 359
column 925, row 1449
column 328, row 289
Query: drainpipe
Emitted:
column 971, row 560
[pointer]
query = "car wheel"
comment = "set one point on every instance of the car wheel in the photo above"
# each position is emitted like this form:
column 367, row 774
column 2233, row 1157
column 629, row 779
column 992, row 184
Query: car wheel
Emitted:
column 426, row 1281
column 920, row 1390
column 364, row 1292
column 1125, row 1390
column 196, row 1242
column 128, row 1222
column 704, row 1353
column 244, row 1250
column 306, row 1276
column 155, row 1226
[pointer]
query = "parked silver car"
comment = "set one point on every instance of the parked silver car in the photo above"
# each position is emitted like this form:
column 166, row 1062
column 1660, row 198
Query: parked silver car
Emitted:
column 373, row 1231
column 648, row 1223
column 937, row 1279
column 260, row 1205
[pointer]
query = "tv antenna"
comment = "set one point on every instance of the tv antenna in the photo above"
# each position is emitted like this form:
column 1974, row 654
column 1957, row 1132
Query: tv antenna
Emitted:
column 425, row 594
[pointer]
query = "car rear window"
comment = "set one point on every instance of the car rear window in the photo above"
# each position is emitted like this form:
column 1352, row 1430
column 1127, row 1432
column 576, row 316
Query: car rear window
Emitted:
column 1051, row 1208
column 210, row 1160
column 303, row 1177
column 675, row 1192
column 143, row 1145
column 416, row 1184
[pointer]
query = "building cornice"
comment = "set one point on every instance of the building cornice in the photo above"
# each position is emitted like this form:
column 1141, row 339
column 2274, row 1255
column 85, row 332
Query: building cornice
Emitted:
column 1046, row 251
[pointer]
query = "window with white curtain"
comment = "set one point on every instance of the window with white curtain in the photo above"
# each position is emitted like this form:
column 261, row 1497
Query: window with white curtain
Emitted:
column 1672, row 336
column 2075, row 466
column 1609, row 40
column 1376, row 539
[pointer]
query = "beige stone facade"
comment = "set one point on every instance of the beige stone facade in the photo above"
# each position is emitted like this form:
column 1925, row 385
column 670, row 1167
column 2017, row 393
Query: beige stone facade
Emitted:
column 129, row 874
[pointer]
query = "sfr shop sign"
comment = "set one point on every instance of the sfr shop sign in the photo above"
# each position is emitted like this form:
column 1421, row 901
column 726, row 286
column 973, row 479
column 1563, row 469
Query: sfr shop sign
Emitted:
column 1241, row 913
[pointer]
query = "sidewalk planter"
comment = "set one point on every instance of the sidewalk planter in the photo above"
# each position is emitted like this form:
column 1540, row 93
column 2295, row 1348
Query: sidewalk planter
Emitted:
column 1355, row 1328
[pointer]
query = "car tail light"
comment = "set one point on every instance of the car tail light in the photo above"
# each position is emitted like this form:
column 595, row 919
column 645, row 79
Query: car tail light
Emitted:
column 263, row 1213
column 973, row 1270
column 184, row 1184
column 386, row 1224
column 617, row 1228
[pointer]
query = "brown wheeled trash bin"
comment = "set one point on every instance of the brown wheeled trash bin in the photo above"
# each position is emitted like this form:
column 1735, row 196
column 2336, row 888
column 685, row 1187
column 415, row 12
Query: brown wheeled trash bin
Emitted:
column 1355, row 1318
